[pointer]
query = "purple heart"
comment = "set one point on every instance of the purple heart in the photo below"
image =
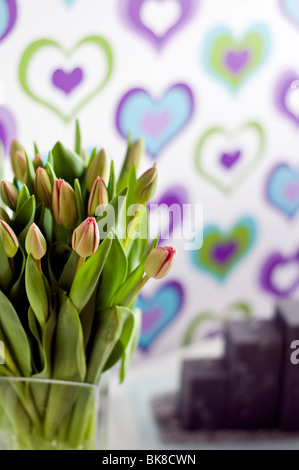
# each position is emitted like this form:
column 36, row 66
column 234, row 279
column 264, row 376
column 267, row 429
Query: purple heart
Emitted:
column 273, row 262
column 286, row 83
column 12, row 16
column 228, row 160
column 131, row 14
column 176, row 197
column 222, row 253
column 67, row 81
column 235, row 61
column 8, row 128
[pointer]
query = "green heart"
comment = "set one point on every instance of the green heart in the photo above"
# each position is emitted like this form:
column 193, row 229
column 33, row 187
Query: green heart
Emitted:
column 36, row 46
column 233, row 61
column 218, row 319
column 260, row 153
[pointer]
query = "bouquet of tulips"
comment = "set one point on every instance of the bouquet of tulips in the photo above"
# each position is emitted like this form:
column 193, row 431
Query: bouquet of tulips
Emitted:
column 74, row 254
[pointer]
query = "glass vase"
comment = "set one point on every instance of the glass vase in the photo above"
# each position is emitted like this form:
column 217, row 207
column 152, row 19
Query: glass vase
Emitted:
column 52, row 415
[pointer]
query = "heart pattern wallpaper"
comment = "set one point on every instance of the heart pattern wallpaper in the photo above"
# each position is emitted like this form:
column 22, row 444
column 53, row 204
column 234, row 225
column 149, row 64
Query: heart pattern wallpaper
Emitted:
column 213, row 88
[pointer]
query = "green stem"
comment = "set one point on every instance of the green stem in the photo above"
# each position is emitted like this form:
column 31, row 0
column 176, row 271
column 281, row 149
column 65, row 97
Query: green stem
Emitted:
column 80, row 263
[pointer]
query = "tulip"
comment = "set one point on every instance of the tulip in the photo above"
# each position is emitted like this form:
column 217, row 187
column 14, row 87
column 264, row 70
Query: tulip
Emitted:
column 35, row 243
column 159, row 262
column 43, row 187
column 64, row 204
column 135, row 153
column 146, row 186
column 98, row 196
column 18, row 161
column 38, row 162
column 99, row 167
column 10, row 240
column 9, row 194
column 86, row 238
column 4, row 215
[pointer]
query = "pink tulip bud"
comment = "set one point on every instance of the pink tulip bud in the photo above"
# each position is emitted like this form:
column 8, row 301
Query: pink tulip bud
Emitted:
column 43, row 187
column 146, row 186
column 64, row 204
column 9, row 194
column 4, row 215
column 86, row 238
column 98, row 167
column 135, row 154
column 35, row 243
column 10, row 240
column 38, row 162
column 18, row 161
column 159, row 262
column 98, row 196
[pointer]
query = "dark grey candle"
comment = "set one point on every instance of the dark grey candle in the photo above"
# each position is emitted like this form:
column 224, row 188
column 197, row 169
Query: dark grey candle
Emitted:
column 202, row 402
column 253, row 357
column 287, row 317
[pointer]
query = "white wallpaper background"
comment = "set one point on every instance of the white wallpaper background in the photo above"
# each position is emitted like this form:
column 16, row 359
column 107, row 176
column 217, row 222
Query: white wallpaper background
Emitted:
column 209, row 85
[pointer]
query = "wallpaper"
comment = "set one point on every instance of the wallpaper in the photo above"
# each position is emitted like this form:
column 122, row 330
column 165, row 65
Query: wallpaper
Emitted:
column 213, row 87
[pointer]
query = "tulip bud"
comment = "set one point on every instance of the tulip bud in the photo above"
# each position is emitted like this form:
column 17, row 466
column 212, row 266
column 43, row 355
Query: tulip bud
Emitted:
column 4, row 215
column 9, row 194
column 18, row 161
column 159, row 262
column 64, row 204
column 35, row 243
column 10, row 240
column 135, row 154
column 99, row 167
column 146, row 186
column 43, row 187
column 86, row 238
column 98, row 196
column 38, row 162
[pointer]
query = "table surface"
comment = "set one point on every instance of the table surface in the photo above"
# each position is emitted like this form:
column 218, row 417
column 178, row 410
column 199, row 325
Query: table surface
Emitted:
column 131, row 422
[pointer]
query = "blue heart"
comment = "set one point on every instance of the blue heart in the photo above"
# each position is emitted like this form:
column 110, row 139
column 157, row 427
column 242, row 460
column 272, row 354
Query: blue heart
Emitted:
column 282, row 189
column 157, row 121
column 69, row 3
column 159, row 311
column 291, row 8
column 4, row 17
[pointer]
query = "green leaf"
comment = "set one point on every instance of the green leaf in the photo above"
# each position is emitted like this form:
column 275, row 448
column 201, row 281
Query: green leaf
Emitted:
column 69, row 365
column 6, row 275
column 118, row 210
column 50, row 171
column 50, row 160
column 15, row 338
column 123, row 341
column 128, row 291
column 67, row 164
column 112, row 183
column 69, row 355
column 24, row 195
column 88, row 276
column 132, row 345
column 68, row 273
column 107, row 329
column 79, row 201
column 36, row 151
column 24, row 219
column 30, row 174
column 36, row 291
column 113, row 275
column 78, row 138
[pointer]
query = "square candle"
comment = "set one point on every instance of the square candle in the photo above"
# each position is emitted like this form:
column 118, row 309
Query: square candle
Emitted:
column 253, row 358
column 287, row 317
column 202, row 400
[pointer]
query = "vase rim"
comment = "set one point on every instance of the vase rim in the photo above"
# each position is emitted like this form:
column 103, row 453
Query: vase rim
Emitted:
column 49, row 381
